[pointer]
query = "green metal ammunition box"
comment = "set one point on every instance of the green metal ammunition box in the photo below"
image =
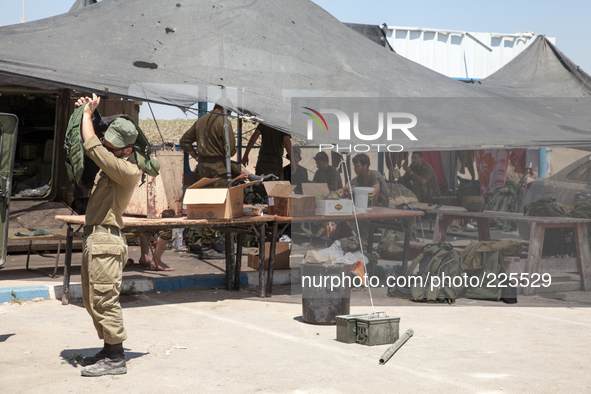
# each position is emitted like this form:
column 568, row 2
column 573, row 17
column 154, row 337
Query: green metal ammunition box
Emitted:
column 347, row 327
column 377, row 330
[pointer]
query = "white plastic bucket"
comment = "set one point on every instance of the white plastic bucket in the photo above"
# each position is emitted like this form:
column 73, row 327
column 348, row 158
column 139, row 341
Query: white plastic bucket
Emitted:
column 363, row 197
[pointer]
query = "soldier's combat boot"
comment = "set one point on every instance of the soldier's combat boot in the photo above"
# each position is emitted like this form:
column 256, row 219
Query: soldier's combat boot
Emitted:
column 93, row 359
column 113, row 364
column 208, row 252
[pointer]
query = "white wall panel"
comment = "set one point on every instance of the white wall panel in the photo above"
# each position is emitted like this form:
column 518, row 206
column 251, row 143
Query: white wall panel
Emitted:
column 457, row 54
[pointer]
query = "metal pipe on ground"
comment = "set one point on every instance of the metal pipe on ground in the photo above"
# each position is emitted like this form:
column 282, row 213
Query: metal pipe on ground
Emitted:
column 397, row 345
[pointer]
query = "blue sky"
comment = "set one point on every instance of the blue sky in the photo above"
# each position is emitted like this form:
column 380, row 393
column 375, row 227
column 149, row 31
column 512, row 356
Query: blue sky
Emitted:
column 566, row 21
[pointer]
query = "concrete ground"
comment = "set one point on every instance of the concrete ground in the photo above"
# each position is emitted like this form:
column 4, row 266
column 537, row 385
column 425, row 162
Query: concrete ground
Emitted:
column 212, row 340
column 218, row 341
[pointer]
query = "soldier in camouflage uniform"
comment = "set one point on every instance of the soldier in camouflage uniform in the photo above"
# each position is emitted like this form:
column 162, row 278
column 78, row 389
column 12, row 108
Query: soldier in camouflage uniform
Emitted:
column 105, row 249
column 208, row 132
column 270, row 160
column 326, row 173
column 420, row 177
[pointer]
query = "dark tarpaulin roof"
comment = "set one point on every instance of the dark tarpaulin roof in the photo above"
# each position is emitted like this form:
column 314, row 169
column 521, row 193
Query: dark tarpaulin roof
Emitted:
column 178, row 52
column 262, row 53
column 541, row 70
column 373, row 32
column 81, row 4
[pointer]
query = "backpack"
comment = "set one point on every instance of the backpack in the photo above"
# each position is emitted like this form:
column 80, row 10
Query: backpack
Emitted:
column 503, row 199
column 74, row 147
column 546, row 207
column 491, row 285
column 435, row 260
column 141, row 149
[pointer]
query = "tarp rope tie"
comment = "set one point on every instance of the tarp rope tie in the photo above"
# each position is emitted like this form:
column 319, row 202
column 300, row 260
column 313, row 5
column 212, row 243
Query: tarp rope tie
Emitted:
column 343, row 162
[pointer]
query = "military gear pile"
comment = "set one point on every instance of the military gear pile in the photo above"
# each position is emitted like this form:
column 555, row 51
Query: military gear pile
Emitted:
column 546, row 207
column 430, row 277
column 503, row 199
column 435, row 259
column 484, row 260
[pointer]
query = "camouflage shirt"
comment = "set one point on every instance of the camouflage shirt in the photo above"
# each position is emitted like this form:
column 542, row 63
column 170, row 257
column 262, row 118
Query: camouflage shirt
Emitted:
column 328, row 176
column 113, row 185
column 208, row 133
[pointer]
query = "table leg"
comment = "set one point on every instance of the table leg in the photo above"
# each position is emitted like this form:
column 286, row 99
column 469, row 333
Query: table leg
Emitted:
column 57, row 258
column 229, row 262
column 583, row 255
column 271, row 260
column 67, row 266
column 29, row 255
column 262, row 272
column 536, row 243
column 407, row 234
column 238, row 269
column 370, row 230
column 441, row 224
column 483, row 229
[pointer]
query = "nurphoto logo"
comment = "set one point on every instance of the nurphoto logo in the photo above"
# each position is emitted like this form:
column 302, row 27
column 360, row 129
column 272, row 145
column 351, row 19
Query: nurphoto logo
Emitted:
column 393, row 125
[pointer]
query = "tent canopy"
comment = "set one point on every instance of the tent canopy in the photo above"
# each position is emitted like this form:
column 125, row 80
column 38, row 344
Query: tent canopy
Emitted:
column 541, row 70
column 261, row 54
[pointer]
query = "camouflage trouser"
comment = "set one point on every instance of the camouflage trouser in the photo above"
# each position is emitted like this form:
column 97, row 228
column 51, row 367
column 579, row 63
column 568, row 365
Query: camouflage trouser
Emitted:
column 421, row 191
column 265, row 168
column 104, row 256
column 165, row 234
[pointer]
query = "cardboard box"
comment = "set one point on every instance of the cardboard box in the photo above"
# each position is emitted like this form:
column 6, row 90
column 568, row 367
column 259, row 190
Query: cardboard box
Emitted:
column 283, row 202
column 327, row 207
column 282, row 252
column 162, row 195
column 334, row 207
column 214, row 203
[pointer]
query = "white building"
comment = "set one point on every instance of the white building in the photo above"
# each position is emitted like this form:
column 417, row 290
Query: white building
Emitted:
column 457, row 54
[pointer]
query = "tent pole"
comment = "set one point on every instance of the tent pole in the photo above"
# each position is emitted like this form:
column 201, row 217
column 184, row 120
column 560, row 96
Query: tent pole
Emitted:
column 454, row 171
column 228, row 161
column 239, row 139
column 381, row 162
column 542, row 167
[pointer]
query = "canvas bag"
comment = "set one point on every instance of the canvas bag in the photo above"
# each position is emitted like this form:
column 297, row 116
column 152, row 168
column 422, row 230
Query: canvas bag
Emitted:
column 75, row 146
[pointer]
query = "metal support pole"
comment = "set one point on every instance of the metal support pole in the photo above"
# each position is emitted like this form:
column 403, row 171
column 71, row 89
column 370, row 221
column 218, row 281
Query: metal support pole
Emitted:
column 229, row 262
column 67, row 266
column 238, row 267
column 406, row 245
column 228, row 153
column 202, row 106
column 542, row 161
column 454, row 171
column 271, row 260
column 262, row 272
column 239, row 139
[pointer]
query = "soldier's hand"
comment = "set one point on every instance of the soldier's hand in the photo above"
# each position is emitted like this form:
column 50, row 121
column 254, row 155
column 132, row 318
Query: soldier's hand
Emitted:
column 245, row 160
column 91, row 103
column 405, row 167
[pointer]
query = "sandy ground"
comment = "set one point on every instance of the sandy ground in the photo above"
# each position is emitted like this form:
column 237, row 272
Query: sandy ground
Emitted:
column 220, row 342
